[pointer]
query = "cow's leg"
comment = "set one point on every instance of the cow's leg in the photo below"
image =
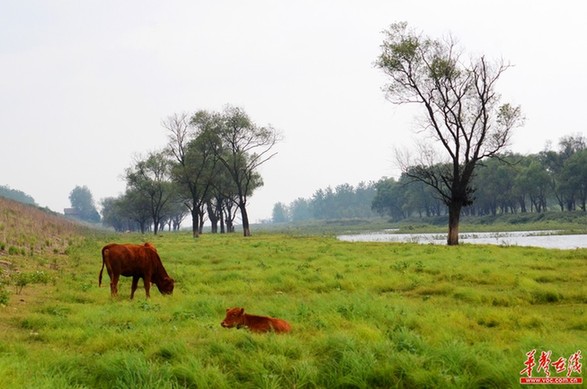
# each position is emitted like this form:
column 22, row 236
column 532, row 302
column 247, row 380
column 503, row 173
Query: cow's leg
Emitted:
column 133, row 288
column 114, row 285
column 147, row 280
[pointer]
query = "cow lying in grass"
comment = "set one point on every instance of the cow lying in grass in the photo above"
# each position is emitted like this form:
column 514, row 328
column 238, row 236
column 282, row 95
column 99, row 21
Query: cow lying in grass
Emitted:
column 236, row 317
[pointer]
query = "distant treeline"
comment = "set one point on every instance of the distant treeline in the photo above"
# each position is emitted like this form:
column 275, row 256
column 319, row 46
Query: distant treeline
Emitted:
column 16, row 195
column 342, row 202
column 546, row 181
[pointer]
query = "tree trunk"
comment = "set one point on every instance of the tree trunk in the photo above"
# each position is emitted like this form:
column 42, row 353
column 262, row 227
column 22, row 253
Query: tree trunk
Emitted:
column 202, row 215
column 155, row 225
column 454, row 216
column 245, row 217
column 523, row 205
column 195, row 223
column 201, row 228
column 213, row 217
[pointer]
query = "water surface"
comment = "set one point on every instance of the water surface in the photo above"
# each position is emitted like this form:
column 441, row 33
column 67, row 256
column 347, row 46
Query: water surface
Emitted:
column 546, row 239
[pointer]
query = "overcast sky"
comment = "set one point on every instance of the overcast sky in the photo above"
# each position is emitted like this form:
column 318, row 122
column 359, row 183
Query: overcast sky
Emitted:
column 84, row 85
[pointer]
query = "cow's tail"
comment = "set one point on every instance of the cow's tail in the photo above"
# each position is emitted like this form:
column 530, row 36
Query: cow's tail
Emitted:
column 104, row 253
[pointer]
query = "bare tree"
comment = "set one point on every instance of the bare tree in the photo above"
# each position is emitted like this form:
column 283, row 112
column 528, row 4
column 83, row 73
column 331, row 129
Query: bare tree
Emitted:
column 462, row 111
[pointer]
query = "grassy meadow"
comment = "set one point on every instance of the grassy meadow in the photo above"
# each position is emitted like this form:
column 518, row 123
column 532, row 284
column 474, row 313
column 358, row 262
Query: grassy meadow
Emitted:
column 364, row 315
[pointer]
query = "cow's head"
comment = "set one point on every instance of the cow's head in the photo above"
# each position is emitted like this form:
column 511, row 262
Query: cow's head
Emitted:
column 234, row 317
column 165, row 285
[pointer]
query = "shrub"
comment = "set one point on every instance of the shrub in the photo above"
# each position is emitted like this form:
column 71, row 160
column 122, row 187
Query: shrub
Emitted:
column 545, row 297
column 39, row 277
column 21, row 280
column 4, row 295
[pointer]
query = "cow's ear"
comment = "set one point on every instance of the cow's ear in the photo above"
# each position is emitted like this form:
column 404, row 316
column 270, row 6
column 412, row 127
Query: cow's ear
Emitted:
column 227, row 309
column 241, row 311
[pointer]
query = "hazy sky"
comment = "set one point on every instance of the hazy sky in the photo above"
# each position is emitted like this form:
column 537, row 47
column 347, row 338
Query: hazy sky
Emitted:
column 85, row 84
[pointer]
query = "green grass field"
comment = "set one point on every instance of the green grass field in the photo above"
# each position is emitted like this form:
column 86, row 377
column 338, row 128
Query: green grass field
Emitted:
column 363, row 315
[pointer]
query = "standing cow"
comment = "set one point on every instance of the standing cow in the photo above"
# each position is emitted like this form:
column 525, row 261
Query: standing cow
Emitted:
column 136, row 261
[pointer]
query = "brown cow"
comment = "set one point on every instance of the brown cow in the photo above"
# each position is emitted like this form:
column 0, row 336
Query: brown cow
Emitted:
column 150, row 245
column 136, row 261
column 237, row 317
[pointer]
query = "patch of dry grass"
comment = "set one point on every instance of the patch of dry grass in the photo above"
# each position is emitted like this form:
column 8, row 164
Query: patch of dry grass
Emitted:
column 27, row 230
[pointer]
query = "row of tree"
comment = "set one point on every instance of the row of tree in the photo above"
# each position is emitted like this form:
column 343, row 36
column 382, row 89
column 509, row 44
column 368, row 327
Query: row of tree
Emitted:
column 16, row 195
column 342, row 202
column 512, row 183
column 535, row 183
column 209, row 168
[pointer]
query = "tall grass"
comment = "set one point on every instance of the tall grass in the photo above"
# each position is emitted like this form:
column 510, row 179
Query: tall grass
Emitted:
column 364, row 315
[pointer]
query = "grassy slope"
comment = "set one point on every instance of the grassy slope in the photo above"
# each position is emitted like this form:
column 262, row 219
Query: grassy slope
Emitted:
column 28, row 230
column 364, row 315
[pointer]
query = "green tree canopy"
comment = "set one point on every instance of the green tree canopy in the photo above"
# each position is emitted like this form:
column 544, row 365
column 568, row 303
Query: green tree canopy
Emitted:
column 82, row 201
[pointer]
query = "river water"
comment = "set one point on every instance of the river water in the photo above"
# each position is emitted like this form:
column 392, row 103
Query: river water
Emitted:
column 546, row 239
